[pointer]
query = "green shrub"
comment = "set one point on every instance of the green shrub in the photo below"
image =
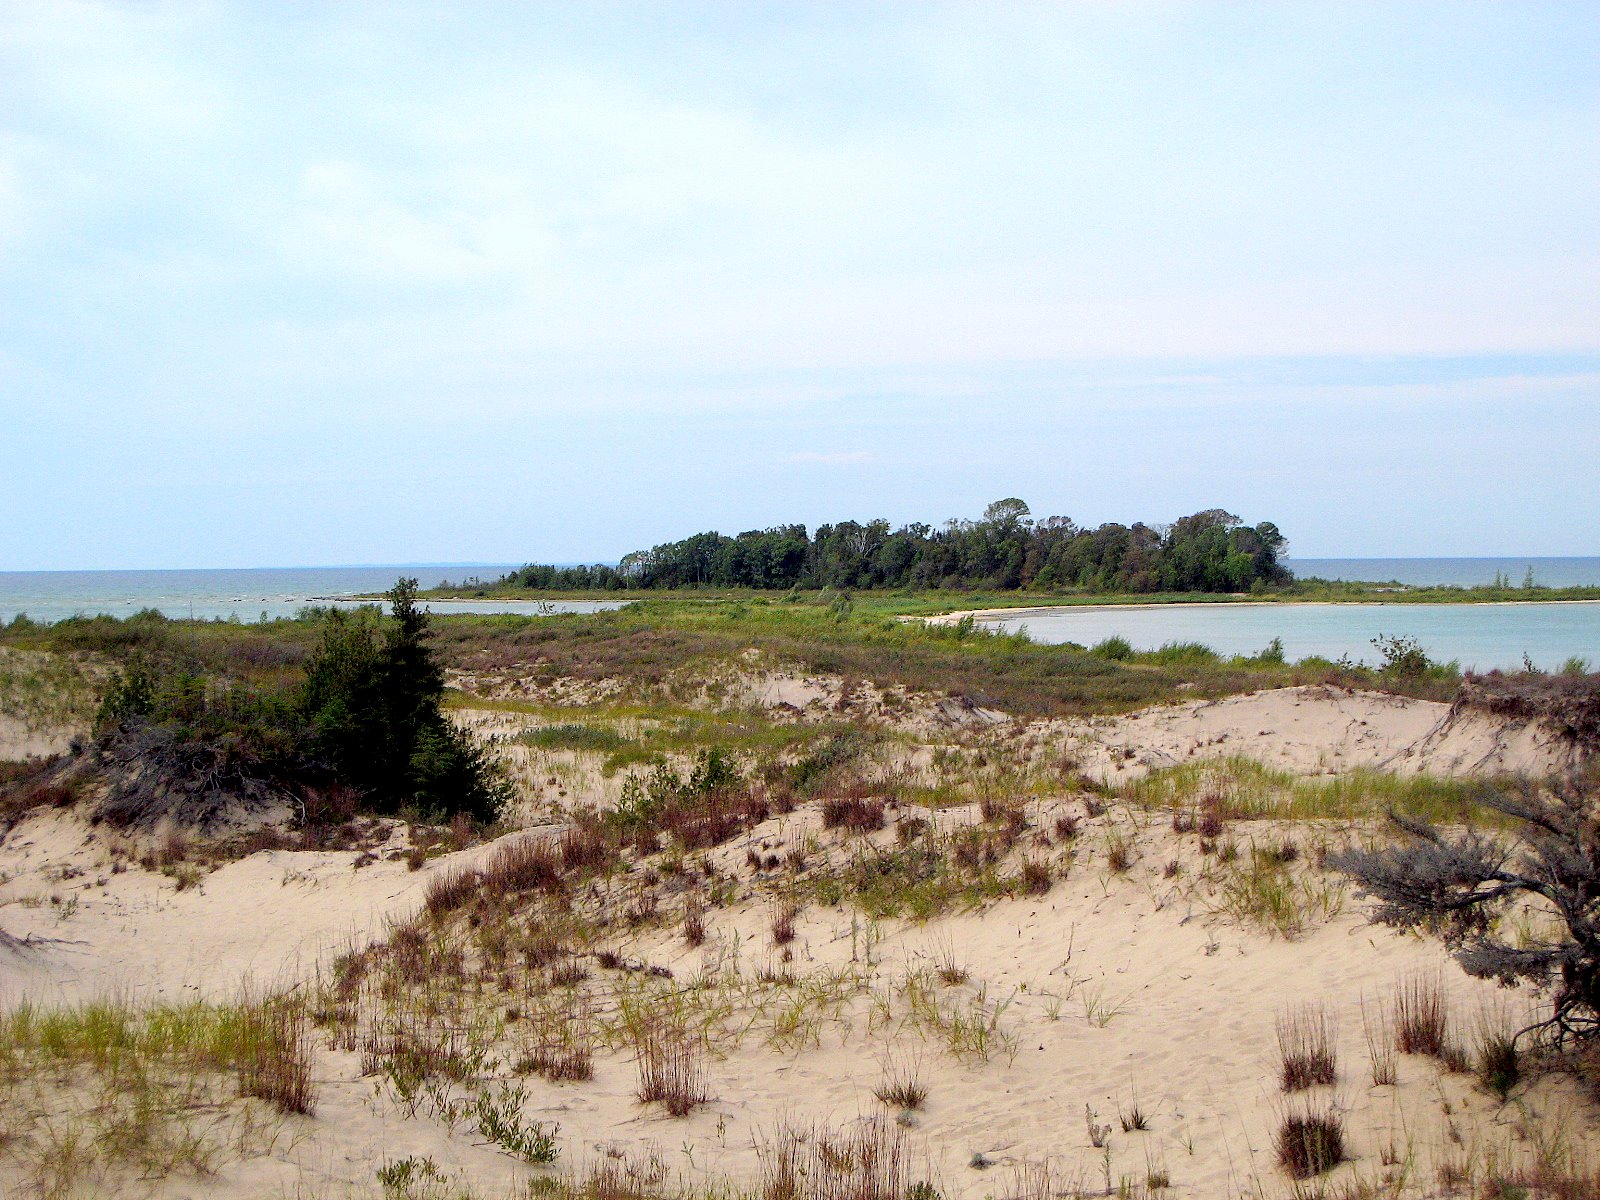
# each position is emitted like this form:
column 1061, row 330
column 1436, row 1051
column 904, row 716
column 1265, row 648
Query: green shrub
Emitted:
column 363, row 713
column 1116, row 648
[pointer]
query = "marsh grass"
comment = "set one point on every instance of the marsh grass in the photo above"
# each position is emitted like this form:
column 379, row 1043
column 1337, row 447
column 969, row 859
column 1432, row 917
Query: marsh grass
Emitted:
column 658, row 638
column 573, row 736
column 970, row 1025
column 42, row 690
column 1264, row 893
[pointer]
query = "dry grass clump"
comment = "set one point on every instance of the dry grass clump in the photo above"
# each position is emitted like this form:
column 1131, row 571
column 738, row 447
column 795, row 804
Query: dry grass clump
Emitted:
column 1377, row 1024
column 1035, row 877
column 1307, row 1037
column 274, row 1055
column 1008, row 813
column 694, row 920
column 901, row 1086
column 450, row 891
column 1495, row 1059
column 783, row 918
column 697, row 822
column 1310, row 1141
column 583, row 848
column 858, row 814
column 1119, row 852
column 671, row 1066
column 1421, row 1016
column 523, row 865
column 558, row 1062
column 870, row 1161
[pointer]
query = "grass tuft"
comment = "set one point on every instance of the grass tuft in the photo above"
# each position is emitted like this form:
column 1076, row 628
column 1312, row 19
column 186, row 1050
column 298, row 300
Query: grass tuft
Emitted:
column 1311, row 1142
column 1307, row 1037
column 1421, row 1016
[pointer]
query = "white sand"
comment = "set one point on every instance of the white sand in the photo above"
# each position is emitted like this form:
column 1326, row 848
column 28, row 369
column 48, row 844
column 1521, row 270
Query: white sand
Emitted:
column 1318, row 730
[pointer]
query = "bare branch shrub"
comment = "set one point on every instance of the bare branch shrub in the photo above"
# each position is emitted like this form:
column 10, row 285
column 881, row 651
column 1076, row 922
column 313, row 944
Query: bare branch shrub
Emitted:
column 1456, row 885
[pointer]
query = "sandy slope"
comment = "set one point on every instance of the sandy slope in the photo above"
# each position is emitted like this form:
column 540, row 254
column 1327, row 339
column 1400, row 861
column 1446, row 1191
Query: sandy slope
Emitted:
column 1190, row 1041
column 21, row 740
column 1194, row 994
column 1318, row 730
column 271, row 917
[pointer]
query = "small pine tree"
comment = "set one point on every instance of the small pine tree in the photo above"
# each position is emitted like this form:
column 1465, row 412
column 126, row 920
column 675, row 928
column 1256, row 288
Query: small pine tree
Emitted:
column 371, row 698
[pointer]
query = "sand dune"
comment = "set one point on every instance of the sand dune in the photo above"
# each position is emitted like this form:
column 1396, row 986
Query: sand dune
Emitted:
column 1115, row 990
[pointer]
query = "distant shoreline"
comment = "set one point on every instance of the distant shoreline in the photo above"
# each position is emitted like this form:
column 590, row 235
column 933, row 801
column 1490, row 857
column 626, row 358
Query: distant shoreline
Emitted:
column 1006, row 614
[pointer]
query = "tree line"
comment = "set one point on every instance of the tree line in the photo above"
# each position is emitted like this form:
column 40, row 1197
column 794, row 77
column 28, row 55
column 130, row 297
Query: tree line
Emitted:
column 1210, row 551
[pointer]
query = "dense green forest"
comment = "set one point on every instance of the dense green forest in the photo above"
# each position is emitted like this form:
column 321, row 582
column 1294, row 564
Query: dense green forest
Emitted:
column 1211, row 551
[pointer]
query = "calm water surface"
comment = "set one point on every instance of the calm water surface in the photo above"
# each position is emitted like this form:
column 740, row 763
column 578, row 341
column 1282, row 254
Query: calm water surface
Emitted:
column 246, row 594
column 1478, row 636
column 1460, row 572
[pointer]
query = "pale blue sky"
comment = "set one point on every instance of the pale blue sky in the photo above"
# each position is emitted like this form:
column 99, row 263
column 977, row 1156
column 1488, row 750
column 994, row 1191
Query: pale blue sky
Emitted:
column 306, row 283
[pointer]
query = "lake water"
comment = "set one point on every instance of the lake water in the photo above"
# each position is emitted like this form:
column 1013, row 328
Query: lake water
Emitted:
column 1460, row 572
column 245, row 594
column 1482, row 636
column 1478, row 636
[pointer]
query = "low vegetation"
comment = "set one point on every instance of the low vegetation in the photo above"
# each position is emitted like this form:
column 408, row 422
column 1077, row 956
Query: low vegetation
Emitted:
column 98, row 1093
column 194, row 728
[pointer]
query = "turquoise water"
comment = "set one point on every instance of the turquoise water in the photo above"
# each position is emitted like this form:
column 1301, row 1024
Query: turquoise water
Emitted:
column 248, row 595
column 1478, row 636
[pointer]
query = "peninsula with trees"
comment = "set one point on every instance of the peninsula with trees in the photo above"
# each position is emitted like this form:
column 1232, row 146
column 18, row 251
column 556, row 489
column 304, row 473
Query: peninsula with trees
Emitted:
column 1006, row 550
column 1006, row 557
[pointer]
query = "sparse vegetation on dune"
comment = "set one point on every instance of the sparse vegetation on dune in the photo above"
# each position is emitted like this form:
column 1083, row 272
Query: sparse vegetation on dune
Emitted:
column 761, row 895
column 97, row 1095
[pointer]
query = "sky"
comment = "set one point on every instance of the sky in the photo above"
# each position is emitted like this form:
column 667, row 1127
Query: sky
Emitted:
column 368, row 283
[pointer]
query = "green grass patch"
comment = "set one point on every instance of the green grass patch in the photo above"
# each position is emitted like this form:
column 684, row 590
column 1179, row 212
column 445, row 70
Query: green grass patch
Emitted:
column 1245, row 788
column 592, row 738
